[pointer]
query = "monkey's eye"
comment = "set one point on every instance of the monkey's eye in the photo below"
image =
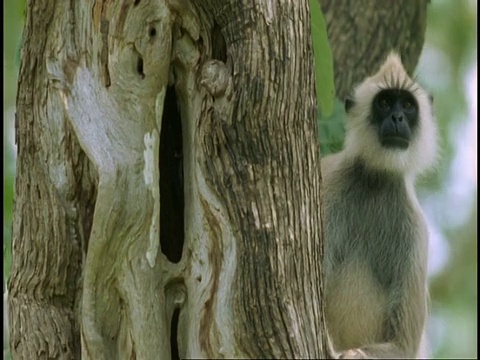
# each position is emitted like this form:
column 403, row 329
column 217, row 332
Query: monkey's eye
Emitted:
column 384, row 104
column 408, row 105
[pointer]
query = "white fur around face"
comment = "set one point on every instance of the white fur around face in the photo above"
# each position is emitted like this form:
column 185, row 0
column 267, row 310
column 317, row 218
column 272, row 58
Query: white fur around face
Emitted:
column 362, row 139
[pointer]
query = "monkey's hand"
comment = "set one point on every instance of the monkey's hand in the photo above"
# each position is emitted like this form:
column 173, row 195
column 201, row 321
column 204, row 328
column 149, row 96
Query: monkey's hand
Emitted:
column 377, row 351
column 354, row 354
column 349, row 354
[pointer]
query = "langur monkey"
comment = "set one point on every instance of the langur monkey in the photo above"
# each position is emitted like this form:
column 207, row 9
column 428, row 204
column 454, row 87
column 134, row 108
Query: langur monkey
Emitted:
column 376, row 238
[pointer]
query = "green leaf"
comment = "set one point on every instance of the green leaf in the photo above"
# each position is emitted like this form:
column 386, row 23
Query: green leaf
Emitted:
column 331, row 129
column 325, row 85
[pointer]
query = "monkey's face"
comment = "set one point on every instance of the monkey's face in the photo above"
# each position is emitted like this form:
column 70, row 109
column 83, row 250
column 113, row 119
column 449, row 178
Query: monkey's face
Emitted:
column 394, row 113
column 390, row 122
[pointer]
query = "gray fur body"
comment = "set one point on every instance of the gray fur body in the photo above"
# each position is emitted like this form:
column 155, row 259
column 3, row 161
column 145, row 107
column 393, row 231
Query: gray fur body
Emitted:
column 386, row 250
column 375, row 266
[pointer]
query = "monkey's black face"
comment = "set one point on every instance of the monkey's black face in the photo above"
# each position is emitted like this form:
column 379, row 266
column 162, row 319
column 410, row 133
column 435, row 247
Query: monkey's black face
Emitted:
column 395, row 114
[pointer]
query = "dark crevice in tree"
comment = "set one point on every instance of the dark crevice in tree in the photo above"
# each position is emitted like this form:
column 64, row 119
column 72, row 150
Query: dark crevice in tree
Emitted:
column 136, row 2
column 174, row 334
column 152, row 32
column 219, row 47
column 140, row 67
column 171, row 180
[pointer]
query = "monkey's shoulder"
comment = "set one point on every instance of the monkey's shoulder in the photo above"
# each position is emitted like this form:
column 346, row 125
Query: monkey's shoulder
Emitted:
column 352, row 181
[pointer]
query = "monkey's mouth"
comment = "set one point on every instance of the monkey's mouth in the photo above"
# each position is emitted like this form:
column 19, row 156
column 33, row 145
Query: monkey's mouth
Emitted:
column 394, row 142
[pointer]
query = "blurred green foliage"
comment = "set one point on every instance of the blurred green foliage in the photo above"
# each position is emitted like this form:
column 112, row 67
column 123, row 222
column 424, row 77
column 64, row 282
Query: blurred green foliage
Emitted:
column 449, row 55
column 324, row 83
column 449, row 52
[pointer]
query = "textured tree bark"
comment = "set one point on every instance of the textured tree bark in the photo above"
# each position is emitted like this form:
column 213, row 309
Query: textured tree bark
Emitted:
column 110, row 171
column 55, row 198
column 363, row 32
column 259, row 156
column 168, row 180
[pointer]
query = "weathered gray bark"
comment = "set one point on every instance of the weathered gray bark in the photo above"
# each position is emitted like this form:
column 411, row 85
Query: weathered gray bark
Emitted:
column 260, row 157
column 134, row 218
column 54, row 197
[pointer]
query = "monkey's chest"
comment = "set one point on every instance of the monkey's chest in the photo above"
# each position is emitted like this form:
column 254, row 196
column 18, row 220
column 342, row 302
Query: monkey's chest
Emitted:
column 375, row 228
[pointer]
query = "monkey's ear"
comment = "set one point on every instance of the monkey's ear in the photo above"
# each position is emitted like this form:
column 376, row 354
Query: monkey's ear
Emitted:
column 349, row 102
column 430, row 96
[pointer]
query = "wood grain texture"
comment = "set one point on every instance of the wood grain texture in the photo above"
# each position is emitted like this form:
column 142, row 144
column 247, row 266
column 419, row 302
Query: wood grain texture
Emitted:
column 262, row 160
column 55, row 196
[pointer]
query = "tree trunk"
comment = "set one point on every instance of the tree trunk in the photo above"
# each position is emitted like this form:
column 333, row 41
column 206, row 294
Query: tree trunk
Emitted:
column 110, row 172
column 168, row 180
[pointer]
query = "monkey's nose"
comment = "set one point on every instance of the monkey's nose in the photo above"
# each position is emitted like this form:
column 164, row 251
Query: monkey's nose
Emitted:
column 397, row 117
